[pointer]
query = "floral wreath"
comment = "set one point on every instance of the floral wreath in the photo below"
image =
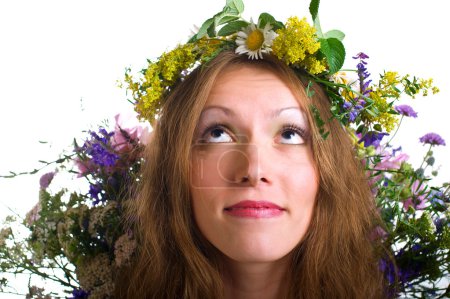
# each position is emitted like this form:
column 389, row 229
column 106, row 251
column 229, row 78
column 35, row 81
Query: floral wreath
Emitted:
column 304, row 48
column 78, row 239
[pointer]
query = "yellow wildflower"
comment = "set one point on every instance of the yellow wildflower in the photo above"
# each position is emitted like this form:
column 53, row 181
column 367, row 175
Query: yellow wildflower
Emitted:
column 314, row 66
column 172, row 63
column 207, row 47
column 148, row 104
column 132, row 85
column 295, row 42
column 385, row 118
column 390, row 78
column 434, row 89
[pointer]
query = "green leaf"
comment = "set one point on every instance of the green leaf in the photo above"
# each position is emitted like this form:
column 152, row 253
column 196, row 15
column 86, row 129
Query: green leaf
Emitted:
column 236, row 5
column 319, row 122
column 314, row 8
column 378, row 127
column 205, row 27
column 371, row 112
column 266, row 18
column 231, row 28
column 309, row 91
column 335, row 34
column 211, row 30
column 360, row 129
column 318, row 28
column 223, row 19
column 334, row 51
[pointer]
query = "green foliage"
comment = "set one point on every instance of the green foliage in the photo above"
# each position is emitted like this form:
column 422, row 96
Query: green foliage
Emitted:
column 334, row 51
column 266, row 18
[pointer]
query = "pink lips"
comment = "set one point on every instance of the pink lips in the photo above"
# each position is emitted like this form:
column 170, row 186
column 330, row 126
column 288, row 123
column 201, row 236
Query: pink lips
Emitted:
column 254, row 209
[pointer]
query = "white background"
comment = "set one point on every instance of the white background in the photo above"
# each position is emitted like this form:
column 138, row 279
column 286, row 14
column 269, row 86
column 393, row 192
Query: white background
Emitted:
column 60, row 60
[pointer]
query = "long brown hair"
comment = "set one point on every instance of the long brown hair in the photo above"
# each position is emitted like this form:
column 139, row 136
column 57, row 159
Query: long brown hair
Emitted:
column 336, row 259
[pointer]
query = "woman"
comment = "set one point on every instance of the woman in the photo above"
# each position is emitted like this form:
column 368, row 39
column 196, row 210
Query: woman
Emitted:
column 243, row 198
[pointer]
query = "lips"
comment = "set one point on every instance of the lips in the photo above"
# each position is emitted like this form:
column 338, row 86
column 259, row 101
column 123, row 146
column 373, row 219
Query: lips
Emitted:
column 254, row 209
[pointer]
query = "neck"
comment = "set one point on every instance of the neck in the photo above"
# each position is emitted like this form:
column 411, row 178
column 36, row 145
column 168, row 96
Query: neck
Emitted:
column 262, row 280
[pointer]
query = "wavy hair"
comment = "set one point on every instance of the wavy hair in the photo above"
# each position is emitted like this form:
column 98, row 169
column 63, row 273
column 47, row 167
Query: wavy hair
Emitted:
column 336, row 258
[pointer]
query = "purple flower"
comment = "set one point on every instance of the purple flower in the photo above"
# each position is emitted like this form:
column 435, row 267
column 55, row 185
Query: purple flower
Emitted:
column 79, row 294
column 364, row 84
column 388, row 268
column 360, row 55
column 347, row 105
column 94, row 192
column 46, row 179
column 353, row 108
column 101, row 156
column 99, row 149
column 372, row 138
column 432, row 138
column 406, row 110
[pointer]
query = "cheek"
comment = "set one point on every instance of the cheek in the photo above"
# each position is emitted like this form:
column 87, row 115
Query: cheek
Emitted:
column 216, row 166
column 205, row 173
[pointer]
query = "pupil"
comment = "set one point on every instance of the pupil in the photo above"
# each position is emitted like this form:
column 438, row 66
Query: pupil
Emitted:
column 216, row 133
column 287, row 134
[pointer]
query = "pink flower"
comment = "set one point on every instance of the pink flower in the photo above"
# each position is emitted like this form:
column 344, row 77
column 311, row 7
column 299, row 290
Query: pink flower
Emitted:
column 390, row 162
column 417, row 200
column 84, row 166
column 129, row 131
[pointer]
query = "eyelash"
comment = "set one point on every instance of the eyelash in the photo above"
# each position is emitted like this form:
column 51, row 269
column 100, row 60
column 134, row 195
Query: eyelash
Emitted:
column 287, row 127
column 293, row 127
column 211, row 127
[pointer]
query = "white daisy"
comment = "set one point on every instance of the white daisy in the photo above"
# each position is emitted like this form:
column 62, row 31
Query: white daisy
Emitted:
column 255, row 41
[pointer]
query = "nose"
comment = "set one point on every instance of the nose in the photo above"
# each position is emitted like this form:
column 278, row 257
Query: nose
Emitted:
column 247, row 165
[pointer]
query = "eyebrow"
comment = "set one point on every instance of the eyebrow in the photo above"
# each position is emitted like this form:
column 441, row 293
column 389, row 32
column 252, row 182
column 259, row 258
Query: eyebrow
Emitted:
column 221, row 108
column 230, row 112
column 277, row 112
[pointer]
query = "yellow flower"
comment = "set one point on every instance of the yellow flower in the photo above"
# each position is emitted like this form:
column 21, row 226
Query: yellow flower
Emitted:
column 172, row 63
column 385, row 118
column 255, row 41
column 295, row 42
column 314, row 66
column 208, row 48
column 390, row 78
column 435, row 89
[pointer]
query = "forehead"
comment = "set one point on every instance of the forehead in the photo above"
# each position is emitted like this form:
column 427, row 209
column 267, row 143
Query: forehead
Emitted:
column 254, row 85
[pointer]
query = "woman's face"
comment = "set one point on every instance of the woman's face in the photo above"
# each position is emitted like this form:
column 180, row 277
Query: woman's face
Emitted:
column 253, row 178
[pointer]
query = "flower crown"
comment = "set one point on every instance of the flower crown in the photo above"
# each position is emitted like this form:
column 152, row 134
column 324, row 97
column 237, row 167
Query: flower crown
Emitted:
column 357, row 103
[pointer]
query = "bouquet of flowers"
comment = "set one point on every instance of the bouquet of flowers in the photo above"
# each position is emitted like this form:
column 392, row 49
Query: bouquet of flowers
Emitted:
column 78, row 239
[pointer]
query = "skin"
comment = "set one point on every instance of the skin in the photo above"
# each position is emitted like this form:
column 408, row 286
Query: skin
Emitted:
column 252, row 144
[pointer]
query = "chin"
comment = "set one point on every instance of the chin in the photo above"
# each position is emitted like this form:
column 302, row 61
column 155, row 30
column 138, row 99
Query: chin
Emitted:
column 255, row 253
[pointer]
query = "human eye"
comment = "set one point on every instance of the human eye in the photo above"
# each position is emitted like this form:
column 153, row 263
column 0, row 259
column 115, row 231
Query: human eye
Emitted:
column 291, row 134
column 216, row 133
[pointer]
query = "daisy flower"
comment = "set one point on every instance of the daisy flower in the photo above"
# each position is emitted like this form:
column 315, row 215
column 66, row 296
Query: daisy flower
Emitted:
column 254, row 41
